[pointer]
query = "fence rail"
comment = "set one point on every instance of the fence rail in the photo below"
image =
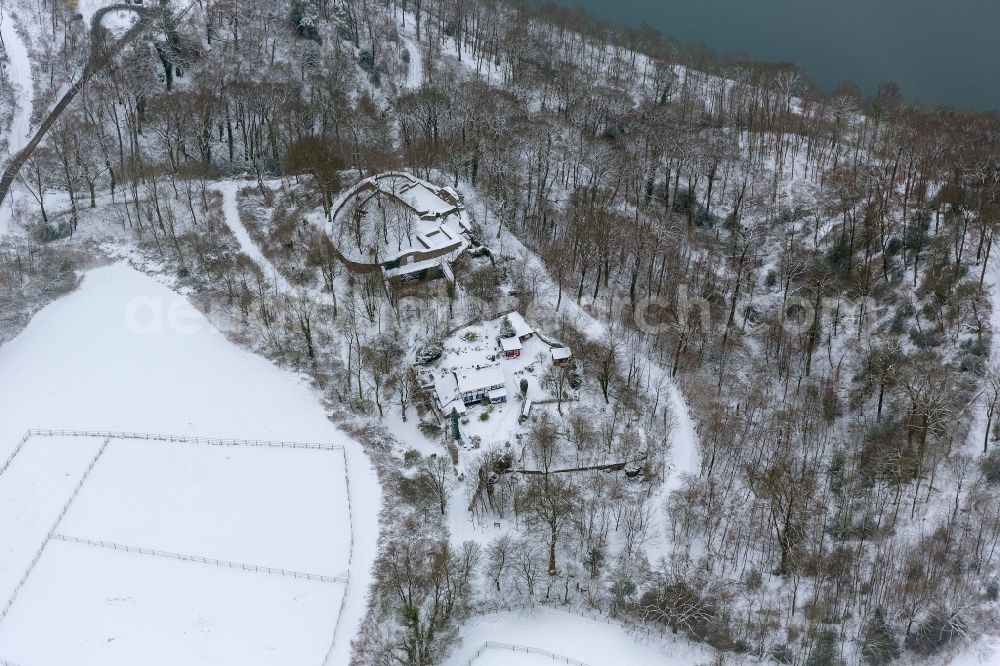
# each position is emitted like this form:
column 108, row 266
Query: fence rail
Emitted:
column 108, row 435
column 110, row 545
column 13, row 454
column 42, row 432
column 526, row 649
column 633, row 627
column 52, row 531
column 350, row 563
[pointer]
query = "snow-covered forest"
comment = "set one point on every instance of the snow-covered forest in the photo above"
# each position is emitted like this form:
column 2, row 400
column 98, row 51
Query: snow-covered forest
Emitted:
column 744, row 393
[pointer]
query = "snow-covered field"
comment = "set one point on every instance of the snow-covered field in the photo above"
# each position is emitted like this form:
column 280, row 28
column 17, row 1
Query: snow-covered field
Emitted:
column 33, row 491
column 125, row 353
column 272, row 507
column 593, row 642
column 501, row 657
column 92, row 606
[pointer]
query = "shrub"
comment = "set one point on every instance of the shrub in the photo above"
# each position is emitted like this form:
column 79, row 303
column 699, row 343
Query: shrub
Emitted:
column 485, row 416
column 506, row 328
column 878, row 644
column 782, row 654
column 839, row 256
column 990, row 464
column 366, row 60
column 304, row 17
column 524, row 387
column 53, row 231
column 894, row 246
column 936, row 632
column 429, row 352
column 824, row 653
column 753, row 580
column 429, row 429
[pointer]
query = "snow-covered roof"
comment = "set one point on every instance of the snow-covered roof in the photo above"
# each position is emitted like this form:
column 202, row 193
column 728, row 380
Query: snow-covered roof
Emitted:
column 456, row 405
column 476, row 379
column 424, row 200
column 510, row 344
column 446, row 389
column 414, row 267
column 439, row 238
column 561, row 353
column 497, row 394
column 521, row 327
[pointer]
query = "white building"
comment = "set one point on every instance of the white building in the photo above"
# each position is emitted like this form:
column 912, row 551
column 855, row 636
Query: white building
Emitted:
column 511, row 347
column 522, row 331
column 475, row 383
column 561, row 354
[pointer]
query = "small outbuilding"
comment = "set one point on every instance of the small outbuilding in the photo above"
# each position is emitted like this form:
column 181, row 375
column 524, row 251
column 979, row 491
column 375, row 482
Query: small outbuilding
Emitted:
column 525, row 411
column 561, row 355
column 511, row 347
column 522, row 331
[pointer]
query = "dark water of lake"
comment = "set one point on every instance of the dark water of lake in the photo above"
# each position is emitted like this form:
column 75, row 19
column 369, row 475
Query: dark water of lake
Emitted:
column 937, row 51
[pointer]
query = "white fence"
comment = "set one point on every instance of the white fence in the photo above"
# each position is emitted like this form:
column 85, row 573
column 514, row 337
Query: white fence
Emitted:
column 350, row 563
column 183, row 439
column 634, row 627
column 202, row 560
column 524, row 649
column 14, row 453
column 108, row 436
column 52, row 531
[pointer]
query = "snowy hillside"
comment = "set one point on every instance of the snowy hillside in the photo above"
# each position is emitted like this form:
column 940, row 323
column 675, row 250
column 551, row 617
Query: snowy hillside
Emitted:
column 461, row 333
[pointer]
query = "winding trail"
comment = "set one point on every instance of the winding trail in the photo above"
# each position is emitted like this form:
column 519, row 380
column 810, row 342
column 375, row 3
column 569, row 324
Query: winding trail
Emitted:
column 19, row 74
column 415, row 75
column 101, row 54
column 684, row 457
column 229, row 189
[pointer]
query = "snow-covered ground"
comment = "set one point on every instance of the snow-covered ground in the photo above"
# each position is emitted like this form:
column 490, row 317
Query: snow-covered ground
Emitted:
column 273, row 507
column 513, row 657
column 33, row 491
column 19, row 74
column 977, row 429
column 119, row 22
column 86, row 8
column 986, row 653
column 89, row 606
column 229, row 190
column 683, row 458
column 594, row 642
column 415, row 73
column 125, row 353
